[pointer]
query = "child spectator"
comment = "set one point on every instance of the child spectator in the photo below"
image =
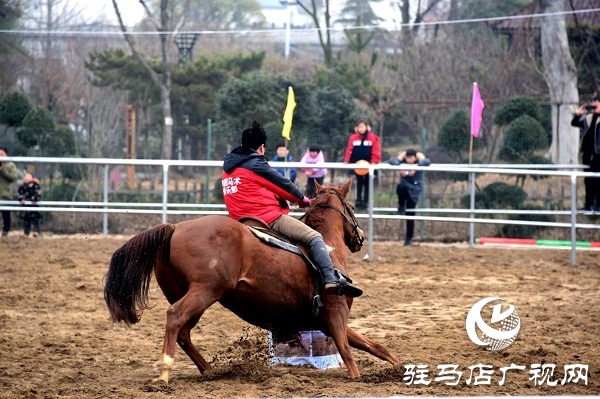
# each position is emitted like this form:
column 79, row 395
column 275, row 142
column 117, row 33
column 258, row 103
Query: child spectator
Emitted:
column 283, row 155
column 30, row 191
column 313, row 155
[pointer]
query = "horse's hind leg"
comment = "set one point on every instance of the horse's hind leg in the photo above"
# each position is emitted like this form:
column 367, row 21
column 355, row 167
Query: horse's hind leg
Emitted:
column 363, row 343
column 190, row 307
column 185, row 342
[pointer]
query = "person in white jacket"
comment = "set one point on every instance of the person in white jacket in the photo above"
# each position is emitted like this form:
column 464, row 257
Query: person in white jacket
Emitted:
column 313, row 155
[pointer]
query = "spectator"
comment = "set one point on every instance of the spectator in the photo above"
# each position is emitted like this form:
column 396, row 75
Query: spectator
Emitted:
column 313, row 155
column 363, row 145
column 30, row 191
column 410, row 187
column 283, row 155
column 586, row 118
column 8, row 174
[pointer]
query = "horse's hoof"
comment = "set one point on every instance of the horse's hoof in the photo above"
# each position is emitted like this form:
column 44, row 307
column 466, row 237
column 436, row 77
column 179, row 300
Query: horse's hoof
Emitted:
column 160, row 381
column 158, row 385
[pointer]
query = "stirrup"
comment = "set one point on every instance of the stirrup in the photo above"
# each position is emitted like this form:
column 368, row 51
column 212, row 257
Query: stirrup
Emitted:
column 343, row 289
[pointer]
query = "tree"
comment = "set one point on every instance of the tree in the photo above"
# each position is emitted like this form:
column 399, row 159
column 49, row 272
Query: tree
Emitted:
column 489, row 9
column 313, row 8
column 358, row 13
column 522, row 138
column 195, row 85
column 324, row 114
column 38, row 125
column 454, row 136
column 12, row 54
column 263, row 97
column 61, row 143
column 13, row 109
column 225, row 14
column 508, row 111
column 336, row 114
column 561, row 76
column 407, row 35
column 584, row 42
column 161, row 80
column 516, row 107
column 54, row 66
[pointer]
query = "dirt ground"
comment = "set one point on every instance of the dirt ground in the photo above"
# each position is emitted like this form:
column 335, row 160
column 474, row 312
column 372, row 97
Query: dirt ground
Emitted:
column 56, row 339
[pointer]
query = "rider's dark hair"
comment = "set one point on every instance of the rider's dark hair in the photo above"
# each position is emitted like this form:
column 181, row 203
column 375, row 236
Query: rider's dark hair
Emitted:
column 254, row 137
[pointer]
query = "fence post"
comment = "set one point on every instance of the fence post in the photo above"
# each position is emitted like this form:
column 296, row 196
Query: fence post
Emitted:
column 105, row 199
column 423, row 148
column 370, row 211
column 208, row 144
column 165, row 196
column 573, row 219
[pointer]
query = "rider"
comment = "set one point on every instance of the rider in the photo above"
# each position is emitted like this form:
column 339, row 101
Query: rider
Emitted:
column 251, row 187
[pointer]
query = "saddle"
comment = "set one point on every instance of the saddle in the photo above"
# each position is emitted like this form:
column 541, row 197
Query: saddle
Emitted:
column 263, row 232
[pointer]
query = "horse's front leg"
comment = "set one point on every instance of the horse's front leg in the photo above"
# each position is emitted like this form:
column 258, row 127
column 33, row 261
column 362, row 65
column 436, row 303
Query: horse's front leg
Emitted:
column 336, row 319
column 363, row 343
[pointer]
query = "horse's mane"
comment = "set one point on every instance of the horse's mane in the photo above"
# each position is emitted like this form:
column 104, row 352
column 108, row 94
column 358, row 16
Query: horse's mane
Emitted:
column 315, row 217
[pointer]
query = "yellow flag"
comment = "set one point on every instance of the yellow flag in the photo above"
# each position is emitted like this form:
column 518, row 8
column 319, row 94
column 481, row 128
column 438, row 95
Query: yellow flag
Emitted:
column 289, row 114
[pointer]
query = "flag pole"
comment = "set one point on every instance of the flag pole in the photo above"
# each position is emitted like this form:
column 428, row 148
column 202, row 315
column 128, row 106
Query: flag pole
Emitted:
column 471, row 149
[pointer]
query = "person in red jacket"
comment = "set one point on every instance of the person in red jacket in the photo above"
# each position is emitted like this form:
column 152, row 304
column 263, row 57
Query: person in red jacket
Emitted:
column 251, row 187
column 363, row 144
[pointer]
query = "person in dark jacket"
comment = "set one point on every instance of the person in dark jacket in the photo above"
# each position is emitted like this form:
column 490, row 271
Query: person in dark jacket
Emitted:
column 586, row 118
column 283, row 155
column 363, row 145
column 30, row 191
column 410, row 187
column 251, row 187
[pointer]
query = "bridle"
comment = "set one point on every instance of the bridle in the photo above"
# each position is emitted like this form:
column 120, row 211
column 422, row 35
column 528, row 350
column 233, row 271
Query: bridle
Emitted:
column 348, row 217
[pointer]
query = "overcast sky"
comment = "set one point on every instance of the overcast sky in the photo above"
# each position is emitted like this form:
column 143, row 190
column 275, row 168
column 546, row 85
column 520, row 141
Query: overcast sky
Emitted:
column 131, row 10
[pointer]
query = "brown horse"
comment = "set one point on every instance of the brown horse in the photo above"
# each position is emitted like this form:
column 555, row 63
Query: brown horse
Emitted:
column 215, row 258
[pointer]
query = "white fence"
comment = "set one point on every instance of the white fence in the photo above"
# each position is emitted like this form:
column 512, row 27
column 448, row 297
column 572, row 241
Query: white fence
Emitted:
column 165, row 208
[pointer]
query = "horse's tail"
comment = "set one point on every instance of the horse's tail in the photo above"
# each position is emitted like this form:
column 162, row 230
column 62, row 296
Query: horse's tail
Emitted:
column 128, row 278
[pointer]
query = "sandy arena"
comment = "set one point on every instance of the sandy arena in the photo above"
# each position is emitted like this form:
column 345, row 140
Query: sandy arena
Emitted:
column 56, row 339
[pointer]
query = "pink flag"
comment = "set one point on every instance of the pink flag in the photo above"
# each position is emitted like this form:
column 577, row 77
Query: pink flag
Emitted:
column 477, row 106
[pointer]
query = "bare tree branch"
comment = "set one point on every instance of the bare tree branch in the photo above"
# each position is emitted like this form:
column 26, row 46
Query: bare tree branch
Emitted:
column 150, row 15
column 132, row 47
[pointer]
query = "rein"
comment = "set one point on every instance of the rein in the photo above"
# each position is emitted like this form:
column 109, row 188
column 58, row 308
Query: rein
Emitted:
column 347, row 219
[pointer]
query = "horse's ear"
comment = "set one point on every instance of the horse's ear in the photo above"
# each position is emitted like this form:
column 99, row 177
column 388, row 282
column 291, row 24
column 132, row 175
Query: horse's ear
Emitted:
column 346, row 187
column 318, row 186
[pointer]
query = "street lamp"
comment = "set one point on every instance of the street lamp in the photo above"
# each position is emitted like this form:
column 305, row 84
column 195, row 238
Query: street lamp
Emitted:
column 185, row 43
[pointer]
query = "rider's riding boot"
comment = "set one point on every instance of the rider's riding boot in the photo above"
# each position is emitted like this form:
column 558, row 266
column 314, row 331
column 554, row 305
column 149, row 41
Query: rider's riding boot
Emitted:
column 333, row 281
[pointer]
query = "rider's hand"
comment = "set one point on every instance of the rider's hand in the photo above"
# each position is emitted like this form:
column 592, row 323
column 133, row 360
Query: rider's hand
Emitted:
column 305, row 202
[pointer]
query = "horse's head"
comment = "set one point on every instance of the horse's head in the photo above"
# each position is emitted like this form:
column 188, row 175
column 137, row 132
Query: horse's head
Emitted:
column 331, row 209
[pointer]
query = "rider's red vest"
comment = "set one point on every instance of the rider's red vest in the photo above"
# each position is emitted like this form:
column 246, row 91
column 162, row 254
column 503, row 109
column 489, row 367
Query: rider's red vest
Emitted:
column 251, row 187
